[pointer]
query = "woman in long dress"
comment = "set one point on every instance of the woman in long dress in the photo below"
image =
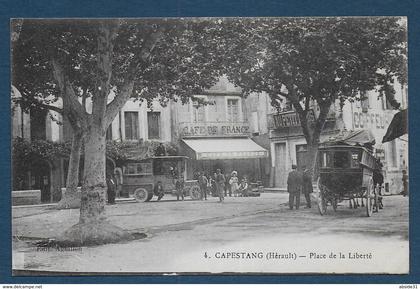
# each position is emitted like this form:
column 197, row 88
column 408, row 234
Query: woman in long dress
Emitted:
column 234, row 183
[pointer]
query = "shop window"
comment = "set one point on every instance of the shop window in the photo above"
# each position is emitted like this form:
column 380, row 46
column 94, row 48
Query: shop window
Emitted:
column 232, row 110
column 301, row 156
column 245, row 110
column 131, row 125
column 153, row 124
column 255, row 122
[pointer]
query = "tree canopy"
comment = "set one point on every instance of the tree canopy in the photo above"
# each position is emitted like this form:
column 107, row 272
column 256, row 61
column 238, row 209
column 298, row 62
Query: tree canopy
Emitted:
column 317, row 60
column 164, row 58
column 107, row 62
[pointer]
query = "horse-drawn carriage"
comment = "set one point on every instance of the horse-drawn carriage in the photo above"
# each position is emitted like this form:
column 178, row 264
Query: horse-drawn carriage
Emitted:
column 346, row 167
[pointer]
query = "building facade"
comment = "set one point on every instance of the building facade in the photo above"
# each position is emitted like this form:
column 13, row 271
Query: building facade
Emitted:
column 288, row 144
column 41, row 174
column 225, row 121
column 220, row 129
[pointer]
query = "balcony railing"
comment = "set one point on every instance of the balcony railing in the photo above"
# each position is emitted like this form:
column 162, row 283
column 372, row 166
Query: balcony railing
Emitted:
column 291, row 119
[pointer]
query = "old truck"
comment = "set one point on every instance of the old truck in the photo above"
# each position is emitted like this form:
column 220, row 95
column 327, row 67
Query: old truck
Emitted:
column 141, row 177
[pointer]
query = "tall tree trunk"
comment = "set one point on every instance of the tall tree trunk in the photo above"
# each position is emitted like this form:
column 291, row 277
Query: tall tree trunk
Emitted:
column 94, row 183
column 93, row 227
column 312, row 151
column 312, row 132
column 71, row 199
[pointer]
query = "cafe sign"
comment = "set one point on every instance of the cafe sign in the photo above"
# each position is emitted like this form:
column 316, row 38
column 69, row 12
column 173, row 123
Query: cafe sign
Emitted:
column 289, row 119
column 362, row 120
column 214, row 129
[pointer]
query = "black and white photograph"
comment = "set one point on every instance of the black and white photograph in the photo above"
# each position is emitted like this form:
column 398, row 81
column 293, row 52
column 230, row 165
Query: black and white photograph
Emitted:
column 219, row 146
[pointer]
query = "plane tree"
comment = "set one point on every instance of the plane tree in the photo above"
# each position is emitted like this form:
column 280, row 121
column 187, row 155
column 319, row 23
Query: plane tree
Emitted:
column 314, row 63
column 92, row 67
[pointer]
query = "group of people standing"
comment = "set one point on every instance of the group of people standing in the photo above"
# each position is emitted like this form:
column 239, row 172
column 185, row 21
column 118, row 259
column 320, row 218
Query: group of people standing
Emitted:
column 220, row 185
column 297, row 183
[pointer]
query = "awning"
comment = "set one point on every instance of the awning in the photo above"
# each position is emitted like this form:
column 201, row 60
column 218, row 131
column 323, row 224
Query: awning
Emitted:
column 358, row 137
column 225, row 148
column 397, row 127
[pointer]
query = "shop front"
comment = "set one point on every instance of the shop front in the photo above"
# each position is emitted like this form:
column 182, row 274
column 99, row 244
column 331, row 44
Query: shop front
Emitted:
column 288, row 144
column 223, row 146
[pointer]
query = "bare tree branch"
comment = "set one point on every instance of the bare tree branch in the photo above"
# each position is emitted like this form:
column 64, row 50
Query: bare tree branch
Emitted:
column 51, row 107
column 324, row 108
column 107, row 32
column 70, row 101
column 126, row 91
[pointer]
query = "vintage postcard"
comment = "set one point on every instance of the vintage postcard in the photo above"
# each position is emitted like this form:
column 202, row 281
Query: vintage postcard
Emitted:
column 210, row 145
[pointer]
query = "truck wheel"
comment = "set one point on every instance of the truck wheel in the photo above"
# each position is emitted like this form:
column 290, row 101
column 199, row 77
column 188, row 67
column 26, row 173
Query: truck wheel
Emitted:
column 141, row 195
column 195, row 193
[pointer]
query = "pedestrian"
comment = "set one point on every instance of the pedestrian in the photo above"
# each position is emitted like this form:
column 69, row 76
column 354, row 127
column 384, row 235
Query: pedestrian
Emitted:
column 294, row 187
column 378, row 180
column 158, row 190
column 111, row 188
column 179, row 187
column 307, row 188
column 243, row 188
column 405, row 183
column 227, row 189
column 213, row 186
column 173, row 172
column 203, row 182
column 233, row 182
column 220, row 184
column 210, row 185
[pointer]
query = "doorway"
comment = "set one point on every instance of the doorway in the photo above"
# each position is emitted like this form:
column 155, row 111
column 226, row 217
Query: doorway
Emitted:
column 302, row 157
column 280, row 176
column 40, row 179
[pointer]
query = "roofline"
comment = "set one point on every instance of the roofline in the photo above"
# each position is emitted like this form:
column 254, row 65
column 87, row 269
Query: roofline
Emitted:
column 324, row 145
column 155, row 157
column 167, row 157
column 244, row 136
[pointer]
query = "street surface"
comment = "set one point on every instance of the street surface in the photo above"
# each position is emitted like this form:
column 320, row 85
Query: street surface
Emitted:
column 248, row 235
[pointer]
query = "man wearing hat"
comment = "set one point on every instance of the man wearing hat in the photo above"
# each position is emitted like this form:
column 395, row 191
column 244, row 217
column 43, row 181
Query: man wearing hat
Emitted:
column 378, row 181
column 294, row 187
column 220, row 184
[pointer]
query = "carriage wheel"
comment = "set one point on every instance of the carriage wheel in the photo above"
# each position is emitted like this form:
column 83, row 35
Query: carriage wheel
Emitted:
column 370, row 196
column 322, row 202
column 376, row 192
